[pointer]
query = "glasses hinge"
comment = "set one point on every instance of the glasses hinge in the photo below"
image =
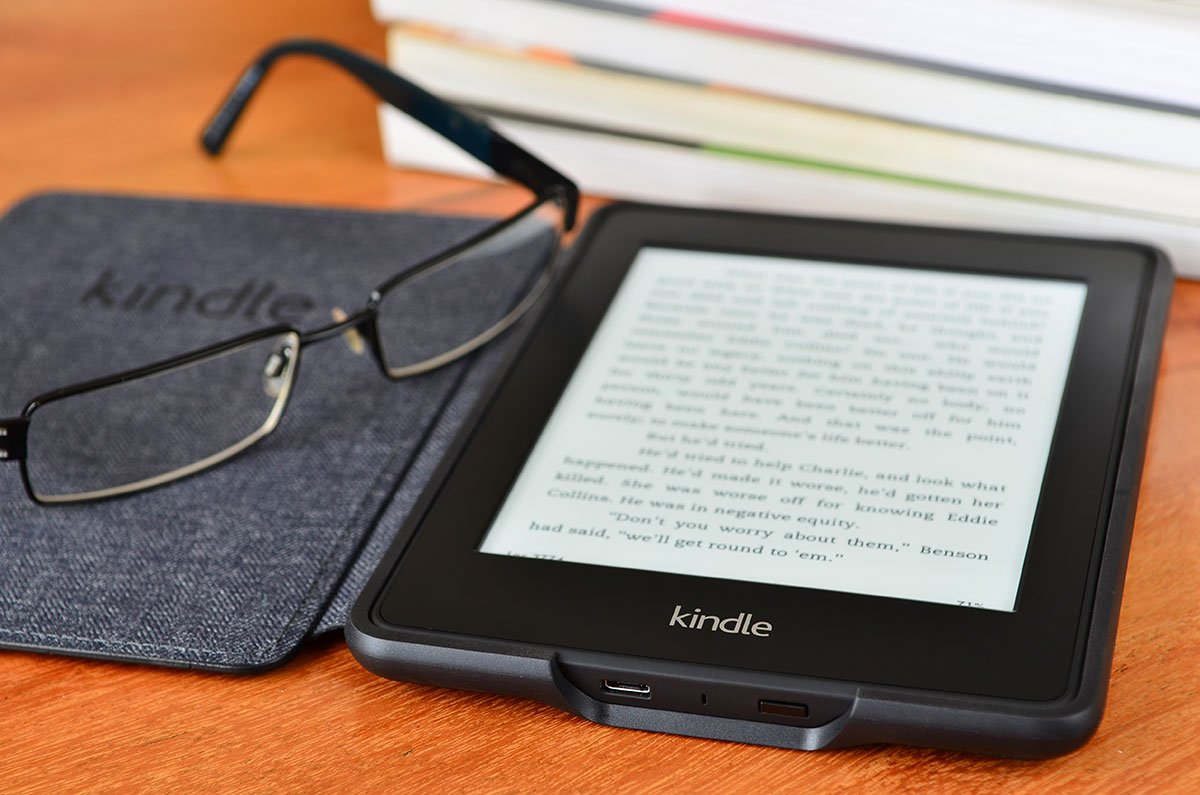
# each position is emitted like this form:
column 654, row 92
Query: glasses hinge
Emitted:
column 12, row 439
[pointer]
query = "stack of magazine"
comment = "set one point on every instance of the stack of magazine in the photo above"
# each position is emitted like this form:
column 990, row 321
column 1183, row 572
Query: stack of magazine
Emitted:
column 1077, row 117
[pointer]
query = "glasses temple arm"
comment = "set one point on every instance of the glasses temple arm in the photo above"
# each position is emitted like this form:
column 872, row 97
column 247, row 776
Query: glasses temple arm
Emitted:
column 471, row 135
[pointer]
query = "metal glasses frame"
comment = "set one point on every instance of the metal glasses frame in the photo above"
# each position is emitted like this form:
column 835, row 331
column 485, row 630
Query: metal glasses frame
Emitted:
column 553, row 191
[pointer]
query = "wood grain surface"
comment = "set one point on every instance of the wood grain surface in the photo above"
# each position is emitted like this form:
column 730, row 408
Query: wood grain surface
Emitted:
column 109, row 95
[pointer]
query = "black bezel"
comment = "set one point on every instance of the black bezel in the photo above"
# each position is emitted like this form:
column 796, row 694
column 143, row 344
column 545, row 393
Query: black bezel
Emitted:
column 1031, row 654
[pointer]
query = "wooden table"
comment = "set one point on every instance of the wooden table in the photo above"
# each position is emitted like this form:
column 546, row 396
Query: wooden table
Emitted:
column 109, row 96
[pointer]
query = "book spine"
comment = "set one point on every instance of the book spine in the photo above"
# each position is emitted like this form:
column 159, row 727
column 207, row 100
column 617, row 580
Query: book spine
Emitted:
column 620, row 167
column 791, row 132
column 1141, row 53
column 835, row 80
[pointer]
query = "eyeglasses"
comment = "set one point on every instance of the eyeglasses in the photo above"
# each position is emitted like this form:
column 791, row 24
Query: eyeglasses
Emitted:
column 142, row 428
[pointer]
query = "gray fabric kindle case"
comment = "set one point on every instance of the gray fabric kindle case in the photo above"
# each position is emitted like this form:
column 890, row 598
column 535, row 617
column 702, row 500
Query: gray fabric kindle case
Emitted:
column 232, row 568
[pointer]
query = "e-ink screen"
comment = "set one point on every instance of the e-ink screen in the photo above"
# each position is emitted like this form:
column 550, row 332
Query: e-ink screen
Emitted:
column 857, row 428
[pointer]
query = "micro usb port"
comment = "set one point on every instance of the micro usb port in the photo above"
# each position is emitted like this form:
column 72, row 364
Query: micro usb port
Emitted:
column 621, row 688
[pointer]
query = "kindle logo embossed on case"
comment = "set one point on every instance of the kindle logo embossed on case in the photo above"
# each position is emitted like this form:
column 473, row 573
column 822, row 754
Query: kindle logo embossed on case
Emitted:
column 252, row 299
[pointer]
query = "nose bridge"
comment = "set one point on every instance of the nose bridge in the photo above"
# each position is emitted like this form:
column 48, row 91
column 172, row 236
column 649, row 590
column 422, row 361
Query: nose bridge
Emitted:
column 360, row 323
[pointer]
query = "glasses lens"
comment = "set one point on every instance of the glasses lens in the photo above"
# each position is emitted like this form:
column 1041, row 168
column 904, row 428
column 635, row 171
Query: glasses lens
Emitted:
column 462, row 302
column 154, row 429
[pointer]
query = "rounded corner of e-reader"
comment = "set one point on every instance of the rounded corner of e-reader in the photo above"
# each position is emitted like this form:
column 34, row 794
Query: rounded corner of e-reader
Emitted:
column 797, row 482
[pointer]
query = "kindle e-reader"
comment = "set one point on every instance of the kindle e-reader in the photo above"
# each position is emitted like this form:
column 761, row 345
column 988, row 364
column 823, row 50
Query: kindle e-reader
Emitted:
column 796, row 482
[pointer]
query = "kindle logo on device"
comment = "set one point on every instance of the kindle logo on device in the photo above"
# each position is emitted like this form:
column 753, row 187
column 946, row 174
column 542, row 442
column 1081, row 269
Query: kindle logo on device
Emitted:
column 741, row 624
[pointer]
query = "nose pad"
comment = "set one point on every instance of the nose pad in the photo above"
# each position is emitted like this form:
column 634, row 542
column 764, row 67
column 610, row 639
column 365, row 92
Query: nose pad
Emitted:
column 352, row 336
column 275, row 369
